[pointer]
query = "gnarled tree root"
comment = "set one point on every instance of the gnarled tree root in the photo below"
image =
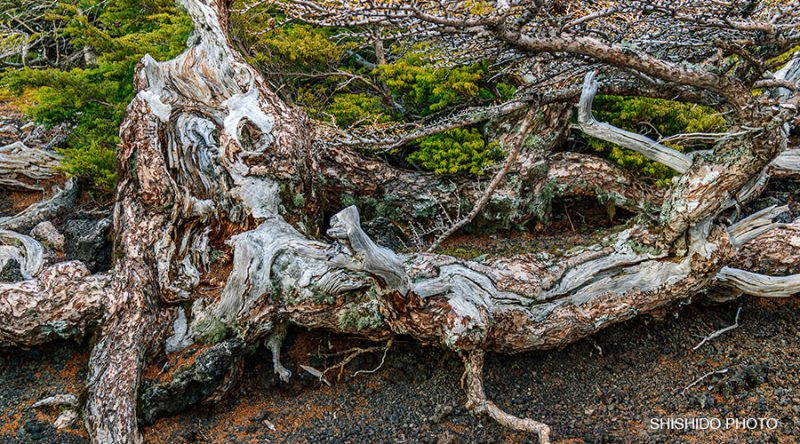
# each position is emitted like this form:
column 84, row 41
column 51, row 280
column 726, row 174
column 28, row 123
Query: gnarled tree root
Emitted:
column 478, row 403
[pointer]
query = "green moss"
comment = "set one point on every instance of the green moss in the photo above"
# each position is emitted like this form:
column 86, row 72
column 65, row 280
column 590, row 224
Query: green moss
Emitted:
column 323, row 298
column 299, row 200
column 640, row 248
column 213, row 331
column 214, row 255
column 541, row 205
column 362, row 313
column 369, row 207
column 461, row 252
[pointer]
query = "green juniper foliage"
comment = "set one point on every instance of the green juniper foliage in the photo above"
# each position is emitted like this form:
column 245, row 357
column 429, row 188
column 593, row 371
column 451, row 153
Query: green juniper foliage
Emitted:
column 91, row 92
column 334, row 77
column 655, row 118
column 455, row 151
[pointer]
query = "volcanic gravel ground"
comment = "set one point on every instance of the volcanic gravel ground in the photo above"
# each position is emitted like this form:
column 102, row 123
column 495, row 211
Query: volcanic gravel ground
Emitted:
column 603, row 389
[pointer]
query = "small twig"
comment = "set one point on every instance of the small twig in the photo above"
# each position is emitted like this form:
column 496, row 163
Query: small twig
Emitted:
column 355, row 352
column 696, row 381
column 383, row 359
column 720, row 331
column 571, row 225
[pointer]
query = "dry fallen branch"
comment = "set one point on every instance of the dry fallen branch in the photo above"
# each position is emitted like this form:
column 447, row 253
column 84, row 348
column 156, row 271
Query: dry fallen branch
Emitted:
column 720, row 331
column 636, row 142
column 700, row 379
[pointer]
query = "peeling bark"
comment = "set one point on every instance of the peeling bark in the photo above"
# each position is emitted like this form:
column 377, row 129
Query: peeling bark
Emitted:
column 64, row 301
column 25, row 168
column 60, row 203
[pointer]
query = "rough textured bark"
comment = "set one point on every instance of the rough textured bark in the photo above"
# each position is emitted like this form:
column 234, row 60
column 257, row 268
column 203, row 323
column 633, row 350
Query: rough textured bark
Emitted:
column 64, row 301
column 63, row 200
column 212, row 160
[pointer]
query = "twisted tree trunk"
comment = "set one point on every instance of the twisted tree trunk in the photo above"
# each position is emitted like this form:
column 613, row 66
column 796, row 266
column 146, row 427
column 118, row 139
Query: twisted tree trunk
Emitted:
column 212, row 160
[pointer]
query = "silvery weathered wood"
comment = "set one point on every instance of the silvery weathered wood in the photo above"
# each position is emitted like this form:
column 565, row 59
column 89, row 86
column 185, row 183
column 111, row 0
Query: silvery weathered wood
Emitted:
column 626, row 139
column 756, row 284
column 27, row 251
column 756, row 224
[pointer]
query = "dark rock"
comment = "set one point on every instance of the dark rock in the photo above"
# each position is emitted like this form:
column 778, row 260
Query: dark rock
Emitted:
column 747, row 377
column 442, row 411
column 192, row 383
column 384, row 233
column 35, row 430
column 87, row 240
column 11, row 272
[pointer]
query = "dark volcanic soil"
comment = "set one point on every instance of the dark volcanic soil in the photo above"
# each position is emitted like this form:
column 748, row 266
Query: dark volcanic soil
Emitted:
column 604, row 389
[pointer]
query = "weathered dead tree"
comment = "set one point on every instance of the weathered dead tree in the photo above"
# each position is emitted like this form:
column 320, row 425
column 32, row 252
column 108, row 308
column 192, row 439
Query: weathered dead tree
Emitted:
column 212, row 160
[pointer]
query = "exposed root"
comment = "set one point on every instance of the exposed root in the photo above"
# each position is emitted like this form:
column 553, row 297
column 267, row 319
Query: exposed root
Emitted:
column 353, row 353
column 69, row 400
column 700, row 379
column 274, row 345
column 68, row 416
column 477, row 402
column 383, row 359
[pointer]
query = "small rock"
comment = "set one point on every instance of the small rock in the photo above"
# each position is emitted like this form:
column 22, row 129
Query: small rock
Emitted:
column 11, row 271
column 441, row 412
column 87, row 240
column 35, row 429
column 46, row 233
column 446, row 438
column 261, row 416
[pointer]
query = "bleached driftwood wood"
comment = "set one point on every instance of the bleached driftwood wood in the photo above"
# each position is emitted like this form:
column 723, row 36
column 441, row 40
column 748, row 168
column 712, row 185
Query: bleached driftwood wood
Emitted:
column 756, row 284
column 787, row 164
column 365, row 255
column 626, row 139
column 756, row 224
column 25, row 250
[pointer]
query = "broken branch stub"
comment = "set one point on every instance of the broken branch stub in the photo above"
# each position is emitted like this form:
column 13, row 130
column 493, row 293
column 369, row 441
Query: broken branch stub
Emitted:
column 364, row 254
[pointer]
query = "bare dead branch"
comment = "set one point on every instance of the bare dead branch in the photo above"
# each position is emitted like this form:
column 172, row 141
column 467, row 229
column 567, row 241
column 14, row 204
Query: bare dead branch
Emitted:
column 721, row 331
